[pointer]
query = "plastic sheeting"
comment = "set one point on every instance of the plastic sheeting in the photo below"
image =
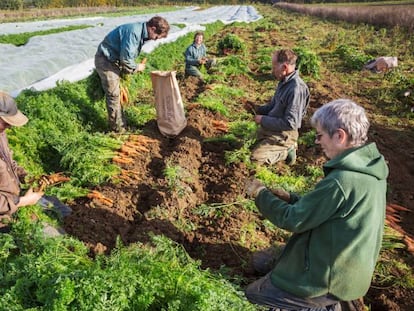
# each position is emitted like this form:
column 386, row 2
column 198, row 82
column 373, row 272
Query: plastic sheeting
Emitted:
column 45, row 60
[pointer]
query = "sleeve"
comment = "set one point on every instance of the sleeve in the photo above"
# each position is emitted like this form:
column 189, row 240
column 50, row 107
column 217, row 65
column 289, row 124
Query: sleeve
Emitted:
column 295, row 102
column 308, row 212
column 130, row 44
column 191, row 57
column 8, row 200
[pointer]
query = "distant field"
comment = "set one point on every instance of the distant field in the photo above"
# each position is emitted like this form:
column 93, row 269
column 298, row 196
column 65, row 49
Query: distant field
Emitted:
column 388, row 14
column 39, row 14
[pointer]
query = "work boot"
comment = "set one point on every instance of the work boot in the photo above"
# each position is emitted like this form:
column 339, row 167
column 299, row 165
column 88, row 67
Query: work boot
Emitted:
column 291, row 157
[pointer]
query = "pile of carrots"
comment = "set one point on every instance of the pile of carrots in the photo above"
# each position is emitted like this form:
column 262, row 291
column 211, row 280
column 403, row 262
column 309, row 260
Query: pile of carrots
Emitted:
column 136, row 144
column 393, row 219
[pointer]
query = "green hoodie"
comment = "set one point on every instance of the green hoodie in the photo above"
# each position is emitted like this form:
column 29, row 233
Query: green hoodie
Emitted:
column 337, row 228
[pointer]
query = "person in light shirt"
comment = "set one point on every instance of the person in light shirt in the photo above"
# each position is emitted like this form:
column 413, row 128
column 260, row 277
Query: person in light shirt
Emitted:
column 116, row 55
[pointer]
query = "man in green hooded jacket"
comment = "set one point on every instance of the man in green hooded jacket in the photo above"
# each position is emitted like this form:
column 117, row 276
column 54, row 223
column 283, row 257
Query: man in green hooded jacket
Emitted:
column 337, row 228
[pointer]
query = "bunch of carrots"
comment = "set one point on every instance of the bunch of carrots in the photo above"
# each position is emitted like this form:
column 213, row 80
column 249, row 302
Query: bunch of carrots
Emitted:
column 393, row 219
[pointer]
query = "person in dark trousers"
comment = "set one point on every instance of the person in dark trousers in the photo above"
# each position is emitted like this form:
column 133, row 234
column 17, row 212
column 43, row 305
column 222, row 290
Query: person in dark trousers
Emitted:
column 337, row 228
column 116, row 55
column 10, row 172
column 280, row 120
column 196, row 56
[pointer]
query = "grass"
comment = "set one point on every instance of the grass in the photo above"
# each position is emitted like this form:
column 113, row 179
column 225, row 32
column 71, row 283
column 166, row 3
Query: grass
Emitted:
column 22, row 38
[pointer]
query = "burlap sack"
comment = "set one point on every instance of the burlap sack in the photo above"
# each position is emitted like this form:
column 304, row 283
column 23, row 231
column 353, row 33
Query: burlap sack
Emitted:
column 171, row 118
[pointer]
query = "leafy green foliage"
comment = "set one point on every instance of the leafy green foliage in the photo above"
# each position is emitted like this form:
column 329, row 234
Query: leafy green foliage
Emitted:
column 351, row 57
column 23, row 38
column 58, row 136
column 308, row 62
column 57, row 274
column 233, row 65
column 231, row 42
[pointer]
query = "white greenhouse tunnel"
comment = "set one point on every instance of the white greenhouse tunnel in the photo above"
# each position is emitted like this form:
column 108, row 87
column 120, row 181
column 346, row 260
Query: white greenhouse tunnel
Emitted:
column 69, row 56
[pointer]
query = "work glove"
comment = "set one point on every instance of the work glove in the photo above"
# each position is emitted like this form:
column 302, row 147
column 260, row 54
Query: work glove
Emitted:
column 140, row 67
column 253, row 187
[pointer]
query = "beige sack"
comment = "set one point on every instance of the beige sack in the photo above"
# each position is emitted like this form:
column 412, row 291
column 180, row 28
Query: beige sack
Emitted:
column 171, row 118
column 382, row 63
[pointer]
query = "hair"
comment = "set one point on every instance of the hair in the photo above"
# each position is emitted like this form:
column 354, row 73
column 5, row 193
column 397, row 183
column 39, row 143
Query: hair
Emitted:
column 286, row 56
column 343, row 114
column 161, row 25
column 198, row 33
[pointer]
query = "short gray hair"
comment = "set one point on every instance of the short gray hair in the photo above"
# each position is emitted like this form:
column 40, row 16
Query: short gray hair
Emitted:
column 343, row 114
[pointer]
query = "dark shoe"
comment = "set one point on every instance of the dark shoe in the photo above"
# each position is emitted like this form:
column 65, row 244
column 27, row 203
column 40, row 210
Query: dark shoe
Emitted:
column 4, row 228
column 291, row 157
column 53, row 204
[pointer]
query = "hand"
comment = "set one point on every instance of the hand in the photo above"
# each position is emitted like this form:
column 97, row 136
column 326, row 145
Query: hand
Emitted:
column 258, row 118
column 253, row 187
column 30, row 198
column 281, row 194
column 250, row 107
column 140, row 67
column 202, row 60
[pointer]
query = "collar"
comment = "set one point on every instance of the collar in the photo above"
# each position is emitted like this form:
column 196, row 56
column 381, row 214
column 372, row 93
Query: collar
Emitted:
column 144, row 34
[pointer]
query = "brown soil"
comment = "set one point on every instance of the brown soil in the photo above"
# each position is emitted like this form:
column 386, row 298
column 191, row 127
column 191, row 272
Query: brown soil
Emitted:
column 142, row 194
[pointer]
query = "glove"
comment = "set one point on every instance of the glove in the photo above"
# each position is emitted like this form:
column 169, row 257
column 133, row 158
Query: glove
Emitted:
column 140, row 67
column 253, row 187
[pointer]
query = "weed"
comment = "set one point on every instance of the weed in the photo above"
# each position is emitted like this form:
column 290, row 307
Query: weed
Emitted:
column 232, row 43
column 213, row 103
column 240, row 155
column 22, row 38
column 308, row 63
column 308, row 138
column 233, row 65
column 351, row 57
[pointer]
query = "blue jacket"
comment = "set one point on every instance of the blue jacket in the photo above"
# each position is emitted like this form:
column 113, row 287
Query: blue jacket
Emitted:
column 124, row 43
column 337, row 228
column 193, row 54
column 287, row 107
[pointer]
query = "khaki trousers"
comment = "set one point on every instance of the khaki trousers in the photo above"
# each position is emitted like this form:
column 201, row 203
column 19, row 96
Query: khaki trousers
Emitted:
column 110, row 75
column 272, row 147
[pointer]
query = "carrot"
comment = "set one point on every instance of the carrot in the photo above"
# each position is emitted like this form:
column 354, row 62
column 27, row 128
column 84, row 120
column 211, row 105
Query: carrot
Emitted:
column 53, row 179
column 393, row 218
column 398, row 207
column 409, row 242
column 128, row 150
column 122, row 160
column 96, row 195
column 124, row 96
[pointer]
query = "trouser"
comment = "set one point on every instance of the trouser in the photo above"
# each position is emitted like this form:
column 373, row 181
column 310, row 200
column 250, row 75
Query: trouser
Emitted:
column 272, row 147
column 110, row 75
column 263, row 292
column 195, row 70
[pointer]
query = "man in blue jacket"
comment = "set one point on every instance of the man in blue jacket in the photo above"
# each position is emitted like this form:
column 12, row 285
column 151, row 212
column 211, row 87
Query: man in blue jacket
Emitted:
column 116, row 55
column 280, row 120
column 337, row 228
